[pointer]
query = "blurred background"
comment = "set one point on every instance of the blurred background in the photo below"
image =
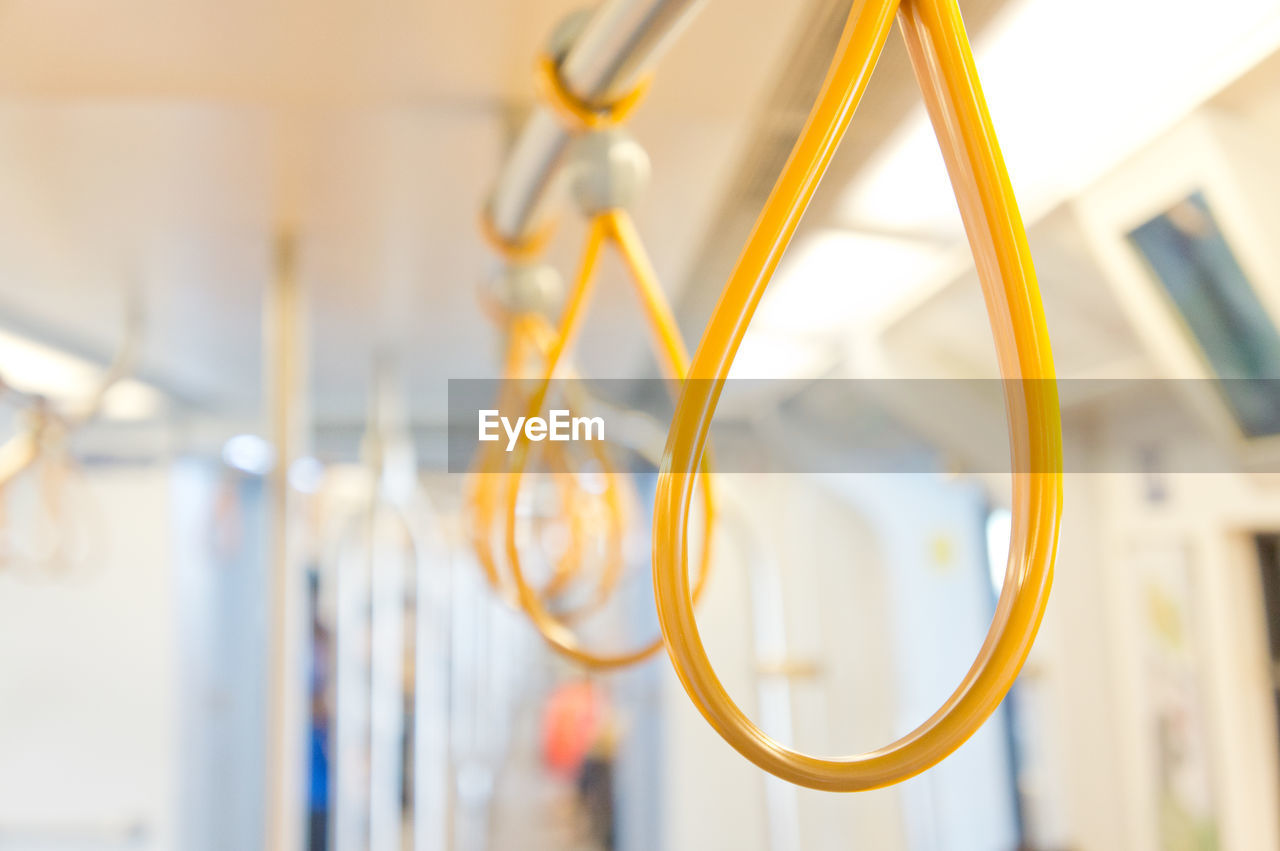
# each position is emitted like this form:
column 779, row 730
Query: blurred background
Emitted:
column 240, row 600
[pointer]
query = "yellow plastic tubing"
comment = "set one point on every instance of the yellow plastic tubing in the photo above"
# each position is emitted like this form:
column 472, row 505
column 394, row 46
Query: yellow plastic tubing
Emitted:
column 616, row 227
column 530, row 336
column 944, row 68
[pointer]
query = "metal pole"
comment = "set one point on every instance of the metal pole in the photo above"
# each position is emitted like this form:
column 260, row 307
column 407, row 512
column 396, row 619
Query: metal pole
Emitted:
column 285, row 353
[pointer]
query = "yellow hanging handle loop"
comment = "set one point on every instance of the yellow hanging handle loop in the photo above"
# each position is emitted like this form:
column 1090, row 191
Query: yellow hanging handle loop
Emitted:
column 576, row 115
column 616, row 227
column 943, row 65
column 486, row 474
column 524, row 251
column 530, row 335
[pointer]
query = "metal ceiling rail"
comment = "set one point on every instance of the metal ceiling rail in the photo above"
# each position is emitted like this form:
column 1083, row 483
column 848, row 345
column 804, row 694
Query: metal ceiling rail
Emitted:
column 617, row 47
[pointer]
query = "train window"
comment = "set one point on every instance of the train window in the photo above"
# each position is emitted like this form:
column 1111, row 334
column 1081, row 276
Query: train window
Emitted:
column 1196, row 268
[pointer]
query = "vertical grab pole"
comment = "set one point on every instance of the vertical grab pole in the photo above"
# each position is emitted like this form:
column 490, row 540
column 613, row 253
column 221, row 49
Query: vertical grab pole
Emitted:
column 285, row 351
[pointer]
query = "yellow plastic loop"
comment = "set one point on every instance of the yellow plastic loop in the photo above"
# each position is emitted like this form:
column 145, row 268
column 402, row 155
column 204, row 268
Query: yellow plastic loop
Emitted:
column 530, row 336
column 612, row 226
column 943, row 65
column 577, row 116
column 524, row 251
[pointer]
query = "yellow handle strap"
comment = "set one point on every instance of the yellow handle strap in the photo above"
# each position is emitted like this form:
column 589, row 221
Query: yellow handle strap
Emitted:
column 616, row 519
column 576, row 512
column 530, row 335
column 483, row 502
column 524, row 251
column 577, row 116
column 943, row 64
column 613, row 226
column 486, row 472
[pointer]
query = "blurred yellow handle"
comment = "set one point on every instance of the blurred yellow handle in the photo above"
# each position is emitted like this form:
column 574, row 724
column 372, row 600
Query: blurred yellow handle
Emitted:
column 530, row 338
column 612, row 226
